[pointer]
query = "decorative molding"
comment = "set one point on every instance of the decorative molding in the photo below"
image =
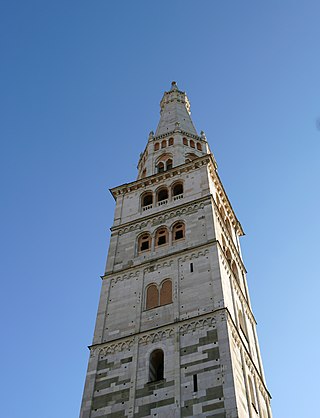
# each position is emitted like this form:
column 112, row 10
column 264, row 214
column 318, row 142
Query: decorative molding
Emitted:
column 160, row 219
column 157, row 266
column 200, row 323
column 193, row 255
column 156, row 336
column 116, row 347
column 126, row 276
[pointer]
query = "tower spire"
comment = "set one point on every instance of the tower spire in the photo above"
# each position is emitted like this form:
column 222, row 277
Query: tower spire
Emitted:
column 175, row 112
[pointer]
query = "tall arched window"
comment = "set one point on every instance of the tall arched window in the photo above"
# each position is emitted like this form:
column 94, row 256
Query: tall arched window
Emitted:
column 170, row 141
column 228, row 256
column 147, row 200
column 169, row 164
column 160, row 167
column 152, row 298
column 156, row 146
column 178, row 231
column 228, row 226
column 235, row 271
column 252, row 394
column 162, row 196
column 177, row 189
column 156, row 365
column 192, row 144
column 162, row 237
column 144, row 242
column 199, row 146
column 163, row 143
column 242, row 323
column 185, row 141
column 144, row 173
column 166, row 292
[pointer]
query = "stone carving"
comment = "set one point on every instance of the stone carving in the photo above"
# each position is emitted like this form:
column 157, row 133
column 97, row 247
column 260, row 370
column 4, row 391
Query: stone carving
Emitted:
column 156, row 336
column 126, row 276
column 158, row 266
column 116, row 347
column 200, row 323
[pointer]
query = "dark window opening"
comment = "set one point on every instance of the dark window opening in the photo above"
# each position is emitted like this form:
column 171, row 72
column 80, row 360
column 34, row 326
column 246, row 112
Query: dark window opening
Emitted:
column 162, row 195
column 191, row 267
column 160, row 168
column 156, row 366
column 177, row 189
column 147, row 200
column 178, row 235
column 195, row 383
column 161, row 240
column 169, row 164
column 144, row 245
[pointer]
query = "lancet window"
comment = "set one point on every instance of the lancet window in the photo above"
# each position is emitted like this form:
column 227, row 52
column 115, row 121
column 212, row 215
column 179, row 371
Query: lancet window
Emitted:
column 156, row 365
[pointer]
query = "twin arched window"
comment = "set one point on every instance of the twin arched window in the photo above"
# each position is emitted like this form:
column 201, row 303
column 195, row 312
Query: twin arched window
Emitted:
column 162, row 196
column 159, row 295
column 164, row 143
column 192, row 144
column 164, row 165
column 161, row 237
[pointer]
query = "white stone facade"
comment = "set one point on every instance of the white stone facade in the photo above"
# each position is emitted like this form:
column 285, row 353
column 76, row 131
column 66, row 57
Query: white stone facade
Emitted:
column 202, row 321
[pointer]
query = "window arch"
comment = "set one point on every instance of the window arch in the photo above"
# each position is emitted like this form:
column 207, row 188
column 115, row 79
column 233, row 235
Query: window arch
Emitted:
column 228, row 225
column 169, row 164
column 166, row 292
column 235, row 271
column 144, row 242
column 224, row 244
column 252, row 394
column 160, row 167
column 144, row 173
column 184, row 141
column 152, row 299
column 192, row 143
column 199, row 146
column 147, row 200
column 163, row 143
column 156, row 146
column 156, row 365
column 191, row 156
column 228, row 256
column 242, row 323
column 171, row 140
column 177, row 189
column 162, row 196
column 162, row 236
column 178, row 231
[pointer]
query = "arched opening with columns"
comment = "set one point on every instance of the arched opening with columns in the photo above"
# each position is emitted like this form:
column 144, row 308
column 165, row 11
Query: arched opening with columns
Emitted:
column 178, row 231
column 162, row 236
column 144, row 242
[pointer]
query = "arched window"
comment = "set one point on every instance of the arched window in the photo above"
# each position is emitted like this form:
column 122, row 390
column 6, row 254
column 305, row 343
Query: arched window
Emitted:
column 144, row 243
column 185, row 141
column 156, row 365
column 147, row 200
column 177, row 190
column 242, row 323
column 228, row 226
column 162, row 237
column 166, row 292
column 156, row 146
column 162, row 196
column 199, row 146
column 178, row 231
column 252, row 394
column 169, row 164
column 224, row 245
column 228, row 256
column 144, row 173
column 217, row 200
column 163, row 143
column 152, row 299
column 170, row 141
column 161, row 167
column 192, row 144
column 235, row 270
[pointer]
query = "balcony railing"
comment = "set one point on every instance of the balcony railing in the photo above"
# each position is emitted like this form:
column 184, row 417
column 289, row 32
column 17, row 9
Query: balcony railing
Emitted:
column 163, row 202
column 147, row 207
column 178, row 197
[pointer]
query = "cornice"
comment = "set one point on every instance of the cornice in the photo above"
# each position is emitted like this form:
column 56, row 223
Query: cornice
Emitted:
column 156, row 178
column 163, row 215
column 178, row 131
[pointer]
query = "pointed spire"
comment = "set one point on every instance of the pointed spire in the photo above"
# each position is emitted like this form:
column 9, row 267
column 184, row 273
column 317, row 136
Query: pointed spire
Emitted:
column 175, row 112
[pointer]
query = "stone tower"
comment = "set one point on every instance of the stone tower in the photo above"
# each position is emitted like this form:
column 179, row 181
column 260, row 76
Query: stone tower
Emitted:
column 175, row 335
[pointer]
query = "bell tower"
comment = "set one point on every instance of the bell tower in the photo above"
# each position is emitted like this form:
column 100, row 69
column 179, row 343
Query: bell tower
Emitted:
column 175, row 335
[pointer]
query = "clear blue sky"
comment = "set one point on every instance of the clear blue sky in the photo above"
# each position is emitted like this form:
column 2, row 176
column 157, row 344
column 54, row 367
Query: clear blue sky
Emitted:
column 80, row 86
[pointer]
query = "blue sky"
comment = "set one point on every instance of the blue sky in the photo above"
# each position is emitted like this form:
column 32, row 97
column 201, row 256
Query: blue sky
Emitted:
column 80, row 87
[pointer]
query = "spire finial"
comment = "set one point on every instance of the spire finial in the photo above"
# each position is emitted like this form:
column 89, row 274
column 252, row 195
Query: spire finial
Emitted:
column 174, row 86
